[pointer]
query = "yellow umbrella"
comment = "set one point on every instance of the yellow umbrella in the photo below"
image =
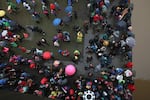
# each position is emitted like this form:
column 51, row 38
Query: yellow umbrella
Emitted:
column 2, row 13
column 79, row 34
column 106, row 43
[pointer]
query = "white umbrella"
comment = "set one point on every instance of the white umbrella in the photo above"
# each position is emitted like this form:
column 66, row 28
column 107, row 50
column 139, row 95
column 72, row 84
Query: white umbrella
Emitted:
column 4, row 33
column 128, row 73
column 88, row 95
column 130, row 41
column 119, row 77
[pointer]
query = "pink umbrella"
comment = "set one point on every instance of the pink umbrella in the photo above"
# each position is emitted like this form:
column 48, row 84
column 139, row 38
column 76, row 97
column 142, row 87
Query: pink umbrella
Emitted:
column 70, row 70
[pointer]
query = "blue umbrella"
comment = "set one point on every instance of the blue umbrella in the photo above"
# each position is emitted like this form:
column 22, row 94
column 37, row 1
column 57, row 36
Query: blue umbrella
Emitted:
column 69, row 2
column 18, row 1
column 56, row 21
column 68, row 9
column 3, row 81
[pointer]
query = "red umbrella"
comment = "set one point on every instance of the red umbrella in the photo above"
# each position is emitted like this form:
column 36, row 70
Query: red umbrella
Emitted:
column 131, row 87
column 96, row 18
column 47, row 55
column 32, row 65
column 44, row 80
column 71, row 92
column 52, row 6
column 129, row 65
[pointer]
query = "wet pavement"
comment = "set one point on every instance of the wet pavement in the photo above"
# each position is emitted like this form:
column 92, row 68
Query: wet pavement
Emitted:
column 117, row 60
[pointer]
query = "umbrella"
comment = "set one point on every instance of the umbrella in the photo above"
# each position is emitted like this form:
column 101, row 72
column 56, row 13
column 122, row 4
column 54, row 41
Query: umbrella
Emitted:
column 129, row 33
column 44, row 80
column 14, row 44
column 46, row 55
column 104, row 36
column 128, row 73
column 32, row 65
column 56, row 21
column 3, row 81
column 131, row 87
column 18, row 1
column 68, row 9
column 104, row 9
column 70, row 70
column 120, row 87
column 52, row 6
column 76, row 52
column 2, row 13
column 3, row 43
column 119, row 70
column 66, row 19
column 5, row 50
column 121, row 25
column 71, row 92
column 25, row 89
column 88, row 95
column 107, row 2
column 129, row 65
column 119, row 77
column 106, row 43
column 116, row 34
column 69, row 2
column 130, row 41
column 4, row 33
column 96, row 18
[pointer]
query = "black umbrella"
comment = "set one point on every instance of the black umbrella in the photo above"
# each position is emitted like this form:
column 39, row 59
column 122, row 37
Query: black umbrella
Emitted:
column 66, row 19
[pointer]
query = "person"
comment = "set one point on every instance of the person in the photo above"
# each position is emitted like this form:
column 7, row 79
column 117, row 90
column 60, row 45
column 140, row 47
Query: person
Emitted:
column 36, row 16
column 89, row 58
column 86, row 26
column 69, row 15
column 45, row 10
column 38, row 29
column 33, row 3
column 90, row 74
column 44, row 41
column 56, row 43
column 27, row 6
column 39, row 43
column 75, row 59
column 11, row 7
column 75, row 14
column 57, row 6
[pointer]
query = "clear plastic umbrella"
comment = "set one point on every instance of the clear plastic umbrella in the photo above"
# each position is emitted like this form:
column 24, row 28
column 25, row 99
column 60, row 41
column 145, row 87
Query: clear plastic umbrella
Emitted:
column 130, row 41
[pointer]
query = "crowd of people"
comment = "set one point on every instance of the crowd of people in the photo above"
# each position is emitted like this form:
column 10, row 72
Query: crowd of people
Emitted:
column 112, row 17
